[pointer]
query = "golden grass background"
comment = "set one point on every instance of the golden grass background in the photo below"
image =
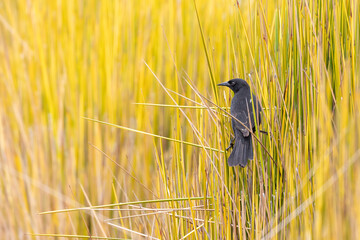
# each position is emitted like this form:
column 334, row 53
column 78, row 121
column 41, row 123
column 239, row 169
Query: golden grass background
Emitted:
column 61, row 61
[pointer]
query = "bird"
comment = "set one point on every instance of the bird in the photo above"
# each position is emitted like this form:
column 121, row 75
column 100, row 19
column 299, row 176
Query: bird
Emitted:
column 242, row 109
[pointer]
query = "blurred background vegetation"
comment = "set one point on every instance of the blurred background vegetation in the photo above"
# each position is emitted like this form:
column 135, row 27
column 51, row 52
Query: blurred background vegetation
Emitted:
column 61, row 61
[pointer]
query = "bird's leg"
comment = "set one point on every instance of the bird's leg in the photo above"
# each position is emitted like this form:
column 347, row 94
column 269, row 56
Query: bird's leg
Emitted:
column 231, row 144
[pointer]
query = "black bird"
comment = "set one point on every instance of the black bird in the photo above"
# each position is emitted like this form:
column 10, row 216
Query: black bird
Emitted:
column 242, row 109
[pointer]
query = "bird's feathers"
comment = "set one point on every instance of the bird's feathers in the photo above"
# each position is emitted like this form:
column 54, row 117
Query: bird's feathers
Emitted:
column 241, row 152
column 243, row 123
column 242, row 110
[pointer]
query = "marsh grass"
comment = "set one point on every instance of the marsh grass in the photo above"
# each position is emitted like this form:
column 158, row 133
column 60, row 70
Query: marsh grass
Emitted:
column 112, row 125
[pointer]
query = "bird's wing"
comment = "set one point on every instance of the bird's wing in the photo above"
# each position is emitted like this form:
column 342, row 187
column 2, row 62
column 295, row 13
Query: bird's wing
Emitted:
column 244, row 119
column 246, row 116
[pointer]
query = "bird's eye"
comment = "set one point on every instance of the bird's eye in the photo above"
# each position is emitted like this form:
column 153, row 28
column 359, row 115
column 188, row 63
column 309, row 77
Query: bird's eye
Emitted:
column 231, row 82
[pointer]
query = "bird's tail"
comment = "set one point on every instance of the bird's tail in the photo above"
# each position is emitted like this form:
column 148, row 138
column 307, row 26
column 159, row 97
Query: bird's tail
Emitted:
column 242, row 151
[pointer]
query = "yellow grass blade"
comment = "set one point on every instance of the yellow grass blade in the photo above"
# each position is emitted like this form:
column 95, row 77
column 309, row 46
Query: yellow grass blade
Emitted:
column 153, row 135
column 124, row 204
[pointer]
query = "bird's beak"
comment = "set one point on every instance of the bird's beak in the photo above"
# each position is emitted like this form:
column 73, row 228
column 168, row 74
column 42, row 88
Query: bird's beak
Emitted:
column 226, row 84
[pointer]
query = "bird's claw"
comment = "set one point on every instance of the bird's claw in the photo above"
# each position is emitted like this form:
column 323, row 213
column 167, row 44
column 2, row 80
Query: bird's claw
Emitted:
column 230, row 146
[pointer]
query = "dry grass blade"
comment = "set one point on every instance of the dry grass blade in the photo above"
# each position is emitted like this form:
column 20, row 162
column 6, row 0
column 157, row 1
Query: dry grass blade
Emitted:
column 124, row 204
column 132, row 231
column 176, row 106
column 153, row 135
column 74, row 236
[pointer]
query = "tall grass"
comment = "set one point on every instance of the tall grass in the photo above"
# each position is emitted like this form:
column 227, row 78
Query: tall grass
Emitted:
column 76, row 148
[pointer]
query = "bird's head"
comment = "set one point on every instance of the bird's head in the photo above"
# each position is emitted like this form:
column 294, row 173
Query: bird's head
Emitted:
column 235, row 84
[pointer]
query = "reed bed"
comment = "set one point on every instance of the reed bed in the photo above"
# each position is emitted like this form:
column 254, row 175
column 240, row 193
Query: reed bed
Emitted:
column 112, row 126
